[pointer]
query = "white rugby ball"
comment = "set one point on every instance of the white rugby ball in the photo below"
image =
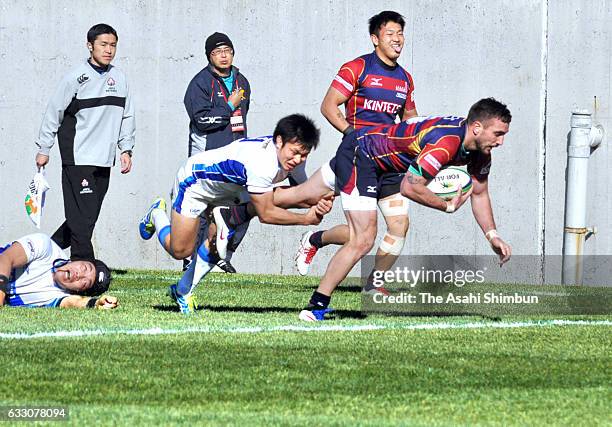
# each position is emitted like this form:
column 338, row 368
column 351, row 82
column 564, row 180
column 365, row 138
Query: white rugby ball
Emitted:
column 445, row 183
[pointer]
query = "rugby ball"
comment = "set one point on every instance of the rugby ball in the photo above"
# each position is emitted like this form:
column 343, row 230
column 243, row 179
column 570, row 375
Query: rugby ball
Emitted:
column 445, row 183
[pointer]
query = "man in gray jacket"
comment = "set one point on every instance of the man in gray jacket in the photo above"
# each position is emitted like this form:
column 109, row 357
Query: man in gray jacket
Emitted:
column 92, row 114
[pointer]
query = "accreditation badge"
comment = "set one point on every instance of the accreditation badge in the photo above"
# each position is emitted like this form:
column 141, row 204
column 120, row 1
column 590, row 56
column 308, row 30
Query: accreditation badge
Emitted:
column 236, row 121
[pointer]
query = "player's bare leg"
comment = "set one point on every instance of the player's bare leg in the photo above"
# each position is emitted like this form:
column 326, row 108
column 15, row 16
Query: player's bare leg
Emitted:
column 397, row 226
column 362, row 233
column 177, row 239
column 395, row 211
column 181, row 240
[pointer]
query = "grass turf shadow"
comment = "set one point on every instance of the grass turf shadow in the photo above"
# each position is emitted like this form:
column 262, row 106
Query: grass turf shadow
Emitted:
column 342, row 288
column 336, row 314
column 341, row 314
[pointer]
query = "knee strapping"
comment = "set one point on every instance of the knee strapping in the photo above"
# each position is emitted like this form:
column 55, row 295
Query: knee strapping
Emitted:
column 394, row 206
column 394, row 248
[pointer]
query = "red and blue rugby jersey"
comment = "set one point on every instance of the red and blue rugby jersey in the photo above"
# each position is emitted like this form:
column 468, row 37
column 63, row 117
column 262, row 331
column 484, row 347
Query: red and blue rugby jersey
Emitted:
column 426, row 143
column 377, row 92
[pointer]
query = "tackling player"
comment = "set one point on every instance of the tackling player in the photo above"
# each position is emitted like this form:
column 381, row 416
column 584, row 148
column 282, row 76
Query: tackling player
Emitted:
column 421, row 147
column 217, row 178
column 35, row 272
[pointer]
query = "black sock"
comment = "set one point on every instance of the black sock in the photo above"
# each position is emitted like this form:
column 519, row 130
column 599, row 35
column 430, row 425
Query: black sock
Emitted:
column 316, row 239
column 318, row 300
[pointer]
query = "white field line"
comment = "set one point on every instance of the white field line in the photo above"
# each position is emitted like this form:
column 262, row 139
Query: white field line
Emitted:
column 297, row 328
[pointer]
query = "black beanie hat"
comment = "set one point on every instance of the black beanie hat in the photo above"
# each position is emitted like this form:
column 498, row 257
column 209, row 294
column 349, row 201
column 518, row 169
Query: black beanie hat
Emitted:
column 103, row 279
column 215, row 40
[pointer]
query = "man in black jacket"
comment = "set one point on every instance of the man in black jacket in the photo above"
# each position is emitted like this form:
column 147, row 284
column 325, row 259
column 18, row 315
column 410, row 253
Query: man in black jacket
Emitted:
column 217, row 102
column 217, row 99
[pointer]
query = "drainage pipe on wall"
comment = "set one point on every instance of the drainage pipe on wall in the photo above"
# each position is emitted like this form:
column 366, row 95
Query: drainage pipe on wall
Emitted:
column 584, row 138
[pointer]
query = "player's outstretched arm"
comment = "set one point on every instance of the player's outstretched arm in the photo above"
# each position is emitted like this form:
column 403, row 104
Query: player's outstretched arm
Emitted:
column 305, row 195
column 269, row 213
column 104, row 302
column 483, row 214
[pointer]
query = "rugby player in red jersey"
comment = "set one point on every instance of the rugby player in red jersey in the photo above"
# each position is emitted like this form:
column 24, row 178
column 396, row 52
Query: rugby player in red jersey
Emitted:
column 419, row 147
column 375, row 90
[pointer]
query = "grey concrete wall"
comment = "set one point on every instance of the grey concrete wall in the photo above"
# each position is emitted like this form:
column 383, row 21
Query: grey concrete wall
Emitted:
column 542, row 58
column 579, row 76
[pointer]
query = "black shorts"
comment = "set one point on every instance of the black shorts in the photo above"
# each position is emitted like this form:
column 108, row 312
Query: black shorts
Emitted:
column 389, row 184
column 356, row 176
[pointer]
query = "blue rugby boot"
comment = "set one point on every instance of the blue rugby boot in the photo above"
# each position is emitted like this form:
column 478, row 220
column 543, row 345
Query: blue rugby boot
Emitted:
column 146, row 226
column 187, row 304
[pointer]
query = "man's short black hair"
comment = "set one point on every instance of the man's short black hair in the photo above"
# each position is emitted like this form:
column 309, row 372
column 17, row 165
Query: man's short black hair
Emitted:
column 382, row 18
column 300, row 127
column 98, row 30
column 489, row 108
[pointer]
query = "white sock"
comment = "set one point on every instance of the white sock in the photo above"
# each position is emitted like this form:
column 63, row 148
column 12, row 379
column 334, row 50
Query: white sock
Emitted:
column 197, row 269
column 160, row 219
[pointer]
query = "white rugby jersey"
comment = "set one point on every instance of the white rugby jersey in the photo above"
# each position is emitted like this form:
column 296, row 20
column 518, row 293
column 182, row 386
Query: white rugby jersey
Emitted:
column 92, row 114
column 223, row 173
column 33, row 285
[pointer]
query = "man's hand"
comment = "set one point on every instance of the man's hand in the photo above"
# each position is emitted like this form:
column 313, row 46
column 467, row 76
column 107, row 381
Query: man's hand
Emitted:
column 126, row 163
column 457, row 201
column 41, row 160
column 324, row 206
column 316, row 213
column 106, row 302
column 312, row 218
column 502, row 249
column 236, row 97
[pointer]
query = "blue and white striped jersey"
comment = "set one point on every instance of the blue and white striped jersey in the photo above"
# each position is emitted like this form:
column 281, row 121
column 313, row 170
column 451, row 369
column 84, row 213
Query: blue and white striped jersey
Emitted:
column 220, row 176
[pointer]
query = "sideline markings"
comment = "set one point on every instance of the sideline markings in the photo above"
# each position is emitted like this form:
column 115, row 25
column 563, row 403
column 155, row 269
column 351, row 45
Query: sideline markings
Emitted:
column 296, row 328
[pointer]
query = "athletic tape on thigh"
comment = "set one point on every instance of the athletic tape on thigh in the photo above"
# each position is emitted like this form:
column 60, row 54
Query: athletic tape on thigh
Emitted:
column 394, row 248
column 395, row 205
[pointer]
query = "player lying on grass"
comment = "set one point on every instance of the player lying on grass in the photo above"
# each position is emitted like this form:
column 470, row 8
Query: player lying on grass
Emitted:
column 421, row 147
column 35, row 272
column 217, row 178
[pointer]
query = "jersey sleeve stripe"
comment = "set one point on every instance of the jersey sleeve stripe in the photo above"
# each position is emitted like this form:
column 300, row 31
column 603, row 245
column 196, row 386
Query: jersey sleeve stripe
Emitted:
column 344, row 83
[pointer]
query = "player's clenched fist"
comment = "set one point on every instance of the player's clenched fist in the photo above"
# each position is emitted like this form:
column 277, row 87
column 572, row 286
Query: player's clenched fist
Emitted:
column 323, row 207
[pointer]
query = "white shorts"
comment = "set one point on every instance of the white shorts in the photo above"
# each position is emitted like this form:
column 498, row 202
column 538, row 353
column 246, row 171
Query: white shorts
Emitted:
column 329, row 177
column 192, row 196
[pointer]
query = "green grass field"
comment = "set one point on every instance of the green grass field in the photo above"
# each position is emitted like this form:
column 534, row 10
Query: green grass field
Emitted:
column 245, row 359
